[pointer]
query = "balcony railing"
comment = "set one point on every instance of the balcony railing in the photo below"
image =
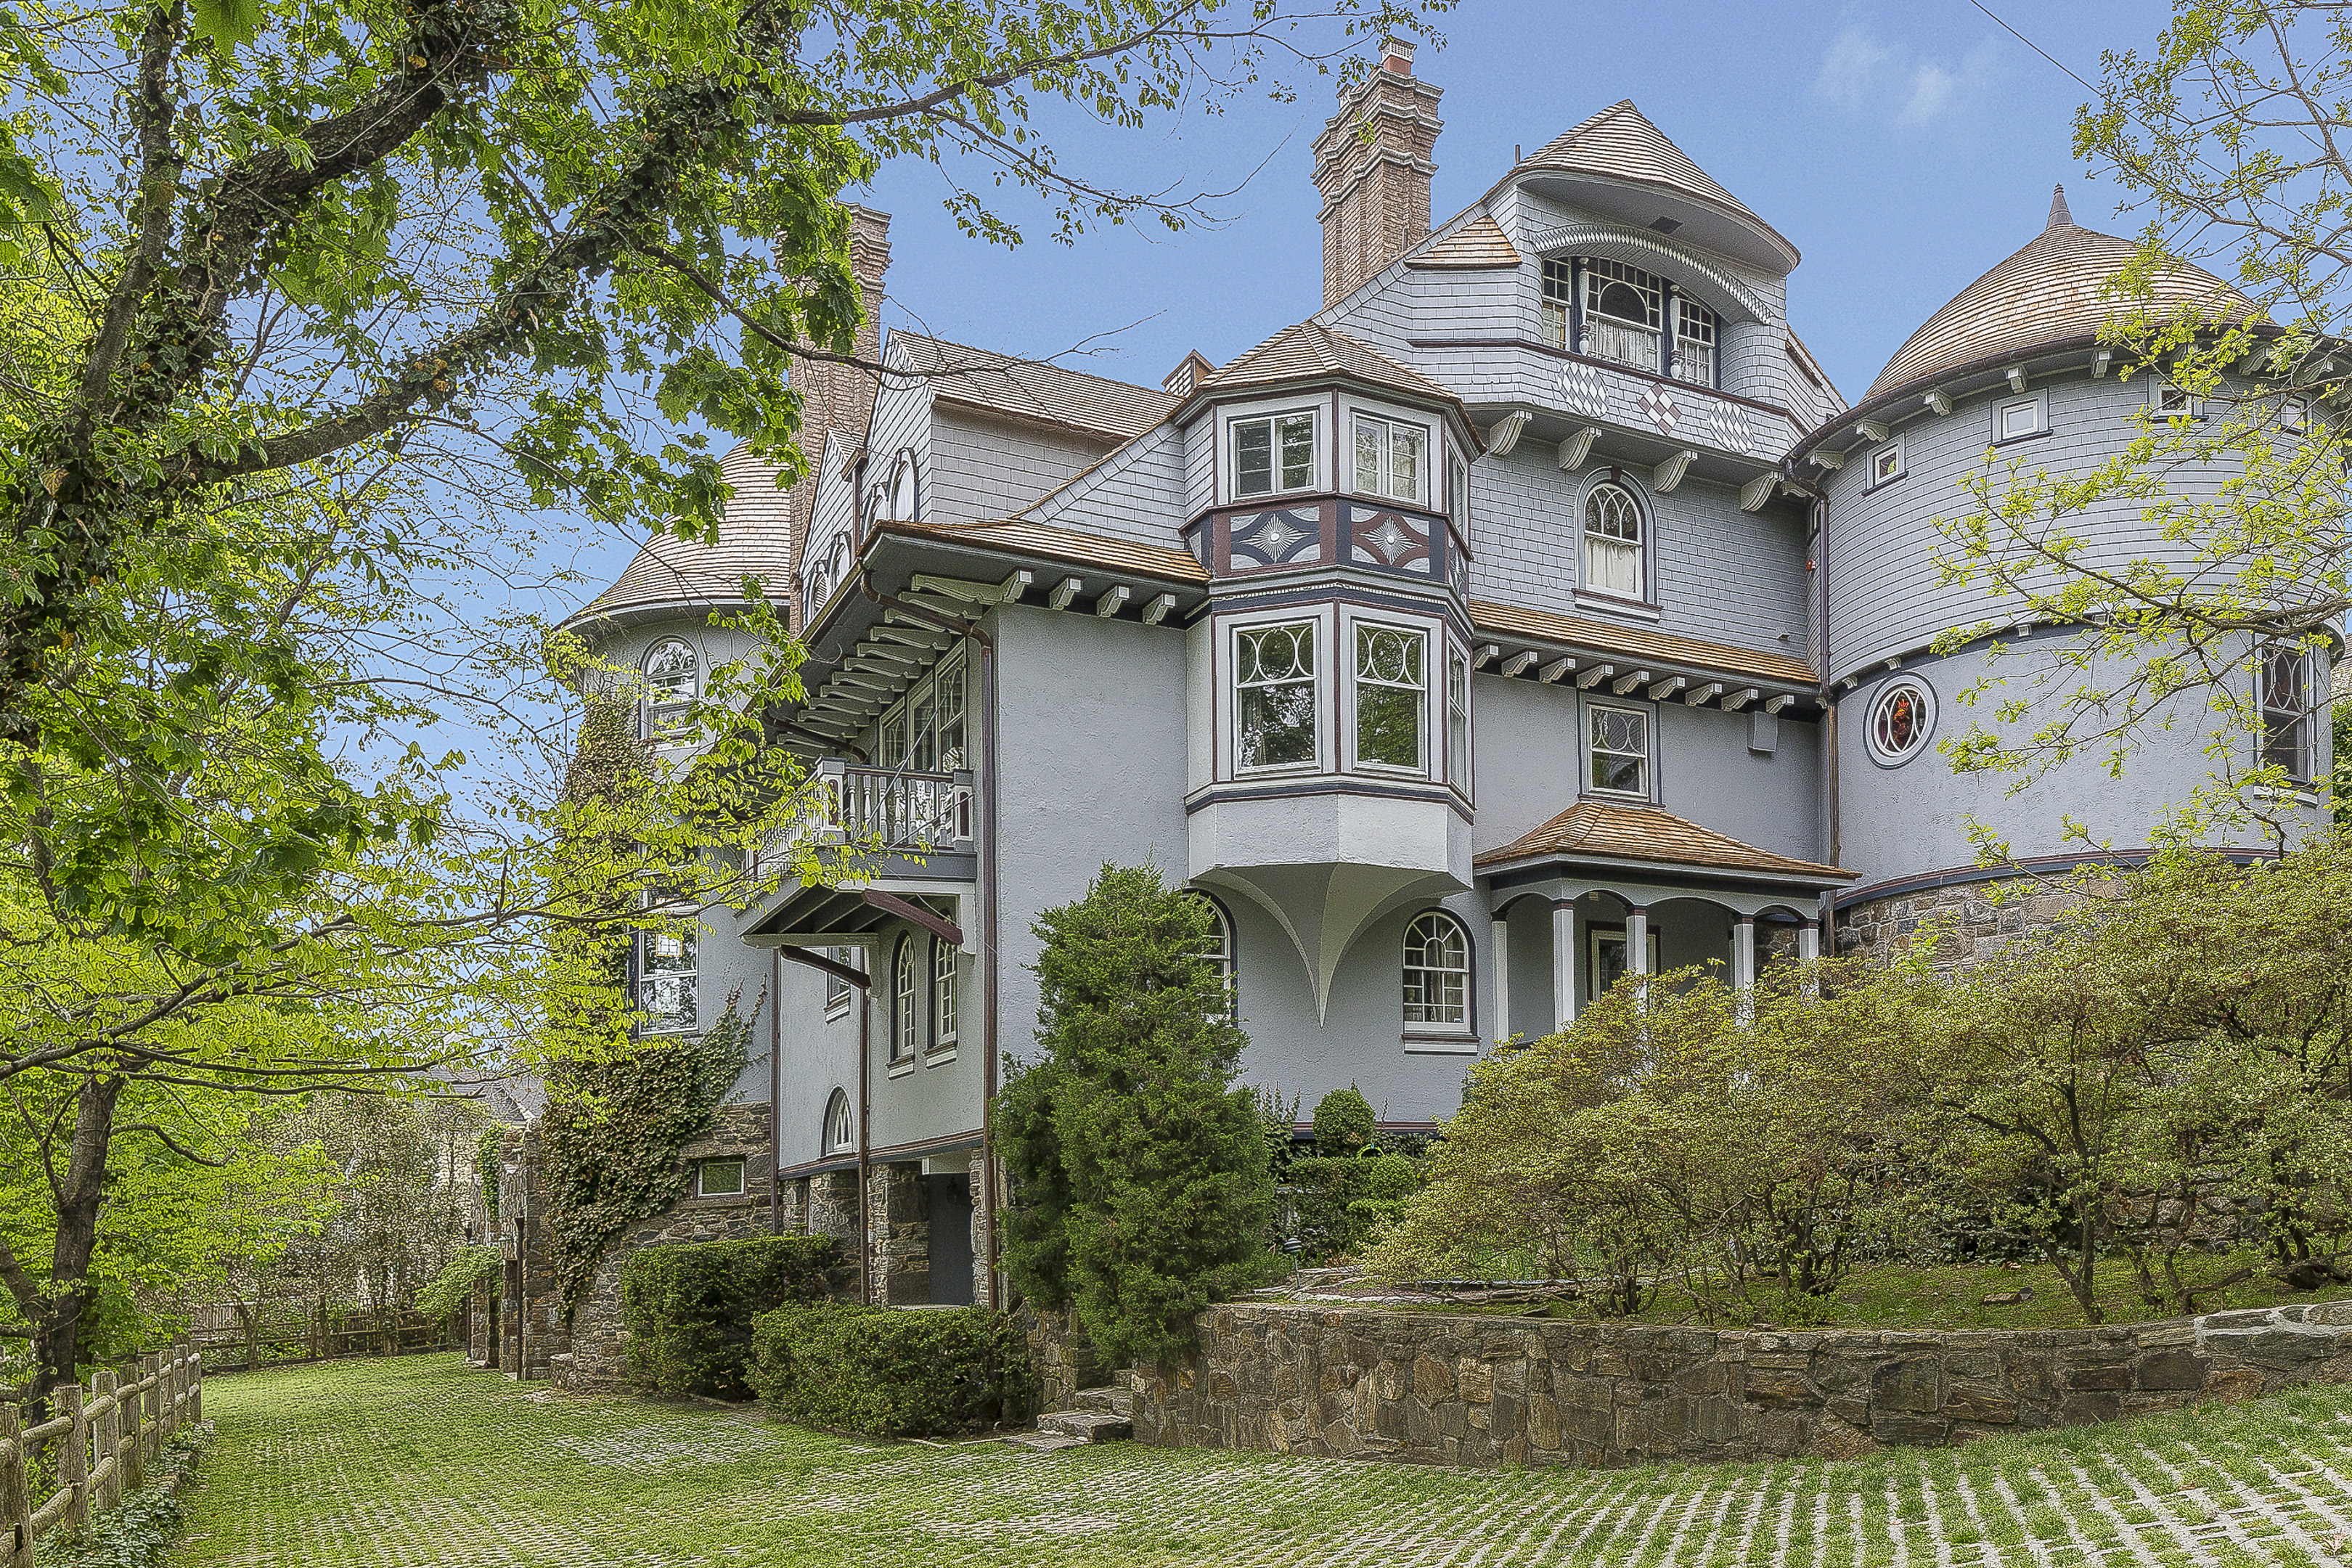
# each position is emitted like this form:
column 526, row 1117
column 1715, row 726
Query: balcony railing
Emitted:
column 1621, row 344
column 892, row 808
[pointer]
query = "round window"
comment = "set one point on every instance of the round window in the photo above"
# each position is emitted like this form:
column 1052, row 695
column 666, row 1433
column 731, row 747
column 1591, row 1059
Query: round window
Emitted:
column 1902, row 717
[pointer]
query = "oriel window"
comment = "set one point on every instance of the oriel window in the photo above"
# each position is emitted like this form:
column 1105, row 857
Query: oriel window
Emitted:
column 1275, row 706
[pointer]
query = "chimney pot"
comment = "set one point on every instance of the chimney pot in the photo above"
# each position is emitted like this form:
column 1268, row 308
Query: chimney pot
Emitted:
column 1396, row 55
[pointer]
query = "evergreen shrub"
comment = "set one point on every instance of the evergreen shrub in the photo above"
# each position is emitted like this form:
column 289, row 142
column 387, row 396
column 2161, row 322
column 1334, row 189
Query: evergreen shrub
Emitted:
column 1337, row 1205
column 691, row 1308
column 892, row 1374
column 1343, row 1124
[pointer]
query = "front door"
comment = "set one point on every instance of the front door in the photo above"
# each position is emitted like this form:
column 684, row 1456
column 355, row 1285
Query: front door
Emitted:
column 950, row 1208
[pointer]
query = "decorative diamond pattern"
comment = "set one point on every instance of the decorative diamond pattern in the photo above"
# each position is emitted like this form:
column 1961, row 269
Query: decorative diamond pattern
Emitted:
column 1585, row 391
column 1663, row 411
column 1732, row 430
column 1389, row 539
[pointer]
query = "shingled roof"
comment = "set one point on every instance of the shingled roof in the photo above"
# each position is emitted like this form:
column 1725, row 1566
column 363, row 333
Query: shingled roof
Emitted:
column 2050, row 291
column 1620, row 143
column 1033, row 390
column 754, row 540
column 1480, row 243
column 1605, row 831
column 1307, row 351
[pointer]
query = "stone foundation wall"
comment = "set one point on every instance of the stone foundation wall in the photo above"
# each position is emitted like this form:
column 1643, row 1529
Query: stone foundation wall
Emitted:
column 598, row 1348
column 1977, row 925
column 1063, row 1356
column 1460, row 1390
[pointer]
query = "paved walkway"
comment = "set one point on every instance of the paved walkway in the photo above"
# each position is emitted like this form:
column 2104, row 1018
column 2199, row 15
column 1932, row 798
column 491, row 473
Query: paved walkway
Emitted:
column 419, row 1462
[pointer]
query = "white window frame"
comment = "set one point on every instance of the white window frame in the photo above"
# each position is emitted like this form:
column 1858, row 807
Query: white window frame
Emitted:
column 1229, row 422
column 1595, row 936
column 1871, row 465
column 1230, row 638
column 648, row 948
column 1465, row 1024
column 1555, row 297
column 1585, row 538
column 658, row 721
column 945, row 970
column 1884, row 755
column 1226, row 956
column 1599, row 272
column 1710, row 340
column 838, row 993
column 1457, row 492
column 902, row 1003
column 2294, row 416
column 2160, row 388
column 1593, row 707
column 702, row 1168
column 895, row 741
column 1457, row 716
column 2037, row 407
column 1383, row 483
column 1431, row 642
column 838, row 1132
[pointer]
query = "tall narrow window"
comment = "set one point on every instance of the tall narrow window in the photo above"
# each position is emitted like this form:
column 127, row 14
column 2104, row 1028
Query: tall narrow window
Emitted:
column 1695, row 330
column 1389, row 684
column 1457, row 497
column 1457, row 719
column 922, row 728
column 836, row 989
column 2286, row 713
column 1619, row 746
column 1612, row 541
column 1436, row 973
column 1274, row 682
column 1559, row 294
column 1274, row 453
column 1389, row 459
column 951, row 714
column 1622, row 308
column 902, row 1003
column 665, row 982
column 1219, row 949
column 943, row 994
column 840, row 1131
column 670, row 687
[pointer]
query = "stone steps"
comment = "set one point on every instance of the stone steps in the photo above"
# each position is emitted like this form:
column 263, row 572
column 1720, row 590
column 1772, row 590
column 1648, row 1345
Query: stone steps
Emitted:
column 1112, row 1400
column 1088, row 1426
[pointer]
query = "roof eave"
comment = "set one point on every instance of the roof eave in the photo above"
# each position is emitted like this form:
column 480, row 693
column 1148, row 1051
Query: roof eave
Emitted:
column 1817, row 879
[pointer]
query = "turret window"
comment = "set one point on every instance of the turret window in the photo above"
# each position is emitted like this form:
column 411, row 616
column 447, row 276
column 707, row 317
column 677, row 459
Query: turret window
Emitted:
column 671, row 684
column 1612, row 541
column 1391, row 459
column 2286, row 713
column 1436, row 973
column 1695, row 332
column 1274, row 453
column 1902, row 717
column 1559, row 298
column 1273, row 680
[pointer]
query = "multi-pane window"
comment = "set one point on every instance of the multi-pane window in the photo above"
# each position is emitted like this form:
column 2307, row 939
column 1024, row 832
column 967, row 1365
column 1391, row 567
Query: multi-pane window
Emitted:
column 943, row 994
column 1457, row 496
column 2286, row 713
column 1623, row 307
column 1219, row 947
column 1695, row 331
column 1457, row 719
column 1612, row 541
column 670, row 685
column 1618, row 745
column 840, row 1131
column 665, row 982
column 1391, row 460
column 902, row 1003
column 1390, row 685
column 2176, row 402
column 924, row 732
column 1436, row 973
column 836, row 989
column 1558, row 296
column 1274, row 687
column 718, row 1178
column 1274, row 453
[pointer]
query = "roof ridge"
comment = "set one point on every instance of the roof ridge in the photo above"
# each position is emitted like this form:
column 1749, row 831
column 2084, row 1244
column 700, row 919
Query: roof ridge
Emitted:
column 1007, row 360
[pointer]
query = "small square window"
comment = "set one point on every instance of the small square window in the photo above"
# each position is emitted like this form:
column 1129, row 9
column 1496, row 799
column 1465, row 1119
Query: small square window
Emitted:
column 718, row 1179
column 2177, row 402
column 2017, row 418
column 2294, row 416
column 1618, row 742
column 1887, row 463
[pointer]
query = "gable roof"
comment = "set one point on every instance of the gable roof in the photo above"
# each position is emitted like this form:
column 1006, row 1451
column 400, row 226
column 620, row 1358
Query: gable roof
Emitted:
column 1620, row 143
column 1032, row 390
column 1308, row 351
column 1479, row 243
column 2050, row 291
column 1606, row 831
column 754, row 540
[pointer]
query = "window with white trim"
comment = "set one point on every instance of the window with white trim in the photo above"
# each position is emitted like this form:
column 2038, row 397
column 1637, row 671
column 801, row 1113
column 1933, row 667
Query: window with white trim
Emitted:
column 2294, row 416
column 1274, row 696
column 1391, row 460
column 1392, row 684
column 1618, row 743
column 1695, row 335
column 2286, row 713
column 1902, row 717
column 1274, row 453
column 1457, row 497
column 1219, row 949
column 1612, row 541
column 2015, row 418
column 1886, row 462
column 902, row 1001
column 837, row 990
column 1436, row 973
column 2172, row 402
column 672, row 681
column 718, row 1178
column 1558, row 297
column 666, row 980
column 1457, row 719
column 923, row 731
column 840, row 1128
column 943, row 994
column 1623, row 307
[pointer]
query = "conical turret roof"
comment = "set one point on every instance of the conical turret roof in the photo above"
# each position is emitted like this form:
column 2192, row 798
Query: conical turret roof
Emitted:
column 1620, row 145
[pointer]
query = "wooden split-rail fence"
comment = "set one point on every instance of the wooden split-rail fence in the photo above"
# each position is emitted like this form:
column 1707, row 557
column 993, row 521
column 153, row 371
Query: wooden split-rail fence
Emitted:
column 107, row 1436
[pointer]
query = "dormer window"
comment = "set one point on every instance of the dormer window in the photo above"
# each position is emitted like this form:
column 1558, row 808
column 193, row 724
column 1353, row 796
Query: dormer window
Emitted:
column 1273, row 454
column 1391, row 460
column 1623, row 307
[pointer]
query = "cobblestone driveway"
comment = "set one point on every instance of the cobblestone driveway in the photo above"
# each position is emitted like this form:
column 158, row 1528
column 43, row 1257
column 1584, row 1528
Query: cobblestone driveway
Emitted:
column 418, row 1462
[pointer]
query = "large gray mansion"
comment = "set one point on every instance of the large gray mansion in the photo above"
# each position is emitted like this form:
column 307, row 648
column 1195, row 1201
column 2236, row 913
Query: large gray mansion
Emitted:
column 1533, row 613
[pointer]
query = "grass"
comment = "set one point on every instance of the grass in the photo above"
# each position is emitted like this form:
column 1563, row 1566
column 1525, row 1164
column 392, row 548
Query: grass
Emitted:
column 418, row 1462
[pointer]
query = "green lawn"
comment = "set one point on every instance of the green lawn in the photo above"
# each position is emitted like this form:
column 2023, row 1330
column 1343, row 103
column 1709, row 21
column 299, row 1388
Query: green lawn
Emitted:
column 419, row 1462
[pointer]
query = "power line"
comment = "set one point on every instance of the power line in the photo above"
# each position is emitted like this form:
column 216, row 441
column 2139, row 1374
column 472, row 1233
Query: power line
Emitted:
column 2037, row 49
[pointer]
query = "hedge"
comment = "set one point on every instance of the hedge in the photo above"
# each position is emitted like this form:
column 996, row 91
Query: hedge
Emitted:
column 690, row 1307
column 1337, row 1204
column 894, row 1374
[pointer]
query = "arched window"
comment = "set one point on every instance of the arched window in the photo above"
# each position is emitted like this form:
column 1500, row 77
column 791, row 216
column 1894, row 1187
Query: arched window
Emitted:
column 943, row 994
column 672, row 681
column 1436, row 973
column 1612, row 541
column 1902, row 717
column 902, row 1003
column 840, row 1131
column 1623, row 307
column 1219, row 949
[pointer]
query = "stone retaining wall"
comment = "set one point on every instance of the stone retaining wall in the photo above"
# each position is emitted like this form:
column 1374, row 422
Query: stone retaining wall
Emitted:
column 1463, row 1390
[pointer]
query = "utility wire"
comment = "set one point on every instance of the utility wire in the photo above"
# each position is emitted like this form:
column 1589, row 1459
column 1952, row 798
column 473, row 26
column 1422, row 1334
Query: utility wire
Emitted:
column 2037, row 49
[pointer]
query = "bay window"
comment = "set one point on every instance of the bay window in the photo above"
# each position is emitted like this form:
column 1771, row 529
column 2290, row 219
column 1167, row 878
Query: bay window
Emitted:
column 1457, row 721
column 1391, row 460
column 1389, row 690
column 1274, row 453
column 1275, row 701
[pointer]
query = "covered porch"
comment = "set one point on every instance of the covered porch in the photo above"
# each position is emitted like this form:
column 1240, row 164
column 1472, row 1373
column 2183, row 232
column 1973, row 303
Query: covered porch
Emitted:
column 1604, row 890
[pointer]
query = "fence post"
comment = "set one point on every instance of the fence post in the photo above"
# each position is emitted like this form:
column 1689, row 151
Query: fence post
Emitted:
column 15, row 1500
column 195, row 1384
column 108, row 1449
column 134, row 1445
column 73, row 1460
column 151, row 1373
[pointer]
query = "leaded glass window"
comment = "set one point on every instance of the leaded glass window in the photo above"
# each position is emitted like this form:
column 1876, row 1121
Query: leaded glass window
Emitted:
column 1390, row 684
column 902, row 1003
column 1612, row 541
column 1274, row 708
column 1619, row 744
column 2286, row 713
column 1274, row 453
column 1436, row 973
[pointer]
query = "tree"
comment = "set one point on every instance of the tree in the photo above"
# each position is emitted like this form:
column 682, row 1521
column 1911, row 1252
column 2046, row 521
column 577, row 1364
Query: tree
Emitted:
column 1141, row 1191
column 2231, row 137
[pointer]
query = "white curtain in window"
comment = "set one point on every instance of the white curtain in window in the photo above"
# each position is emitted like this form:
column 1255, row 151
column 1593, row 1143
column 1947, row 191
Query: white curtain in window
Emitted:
column 1612, row 542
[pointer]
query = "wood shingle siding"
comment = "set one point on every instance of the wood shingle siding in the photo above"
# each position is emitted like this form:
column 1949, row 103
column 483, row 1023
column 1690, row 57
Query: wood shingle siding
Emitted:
column 984, row 468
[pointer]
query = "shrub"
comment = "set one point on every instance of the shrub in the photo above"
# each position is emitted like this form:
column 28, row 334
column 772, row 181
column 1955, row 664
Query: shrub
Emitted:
column 888, row 1374
column 1340, row 1204
column 691, row 1308
column 453, row 1285
column 1343, row 1124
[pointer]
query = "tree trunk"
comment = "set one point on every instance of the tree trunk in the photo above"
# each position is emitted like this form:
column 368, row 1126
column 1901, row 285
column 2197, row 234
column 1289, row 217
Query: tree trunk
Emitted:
column 57, row 1337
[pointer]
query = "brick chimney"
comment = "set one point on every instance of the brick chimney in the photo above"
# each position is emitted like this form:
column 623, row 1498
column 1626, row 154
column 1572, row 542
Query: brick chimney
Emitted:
column 839, row 397
column 1372, row 165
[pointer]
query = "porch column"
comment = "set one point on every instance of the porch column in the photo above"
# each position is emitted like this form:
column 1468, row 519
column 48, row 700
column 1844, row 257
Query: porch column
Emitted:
column 1743, row 966
column 1498, row 961
column 1637, row 952
column 1563, row 962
